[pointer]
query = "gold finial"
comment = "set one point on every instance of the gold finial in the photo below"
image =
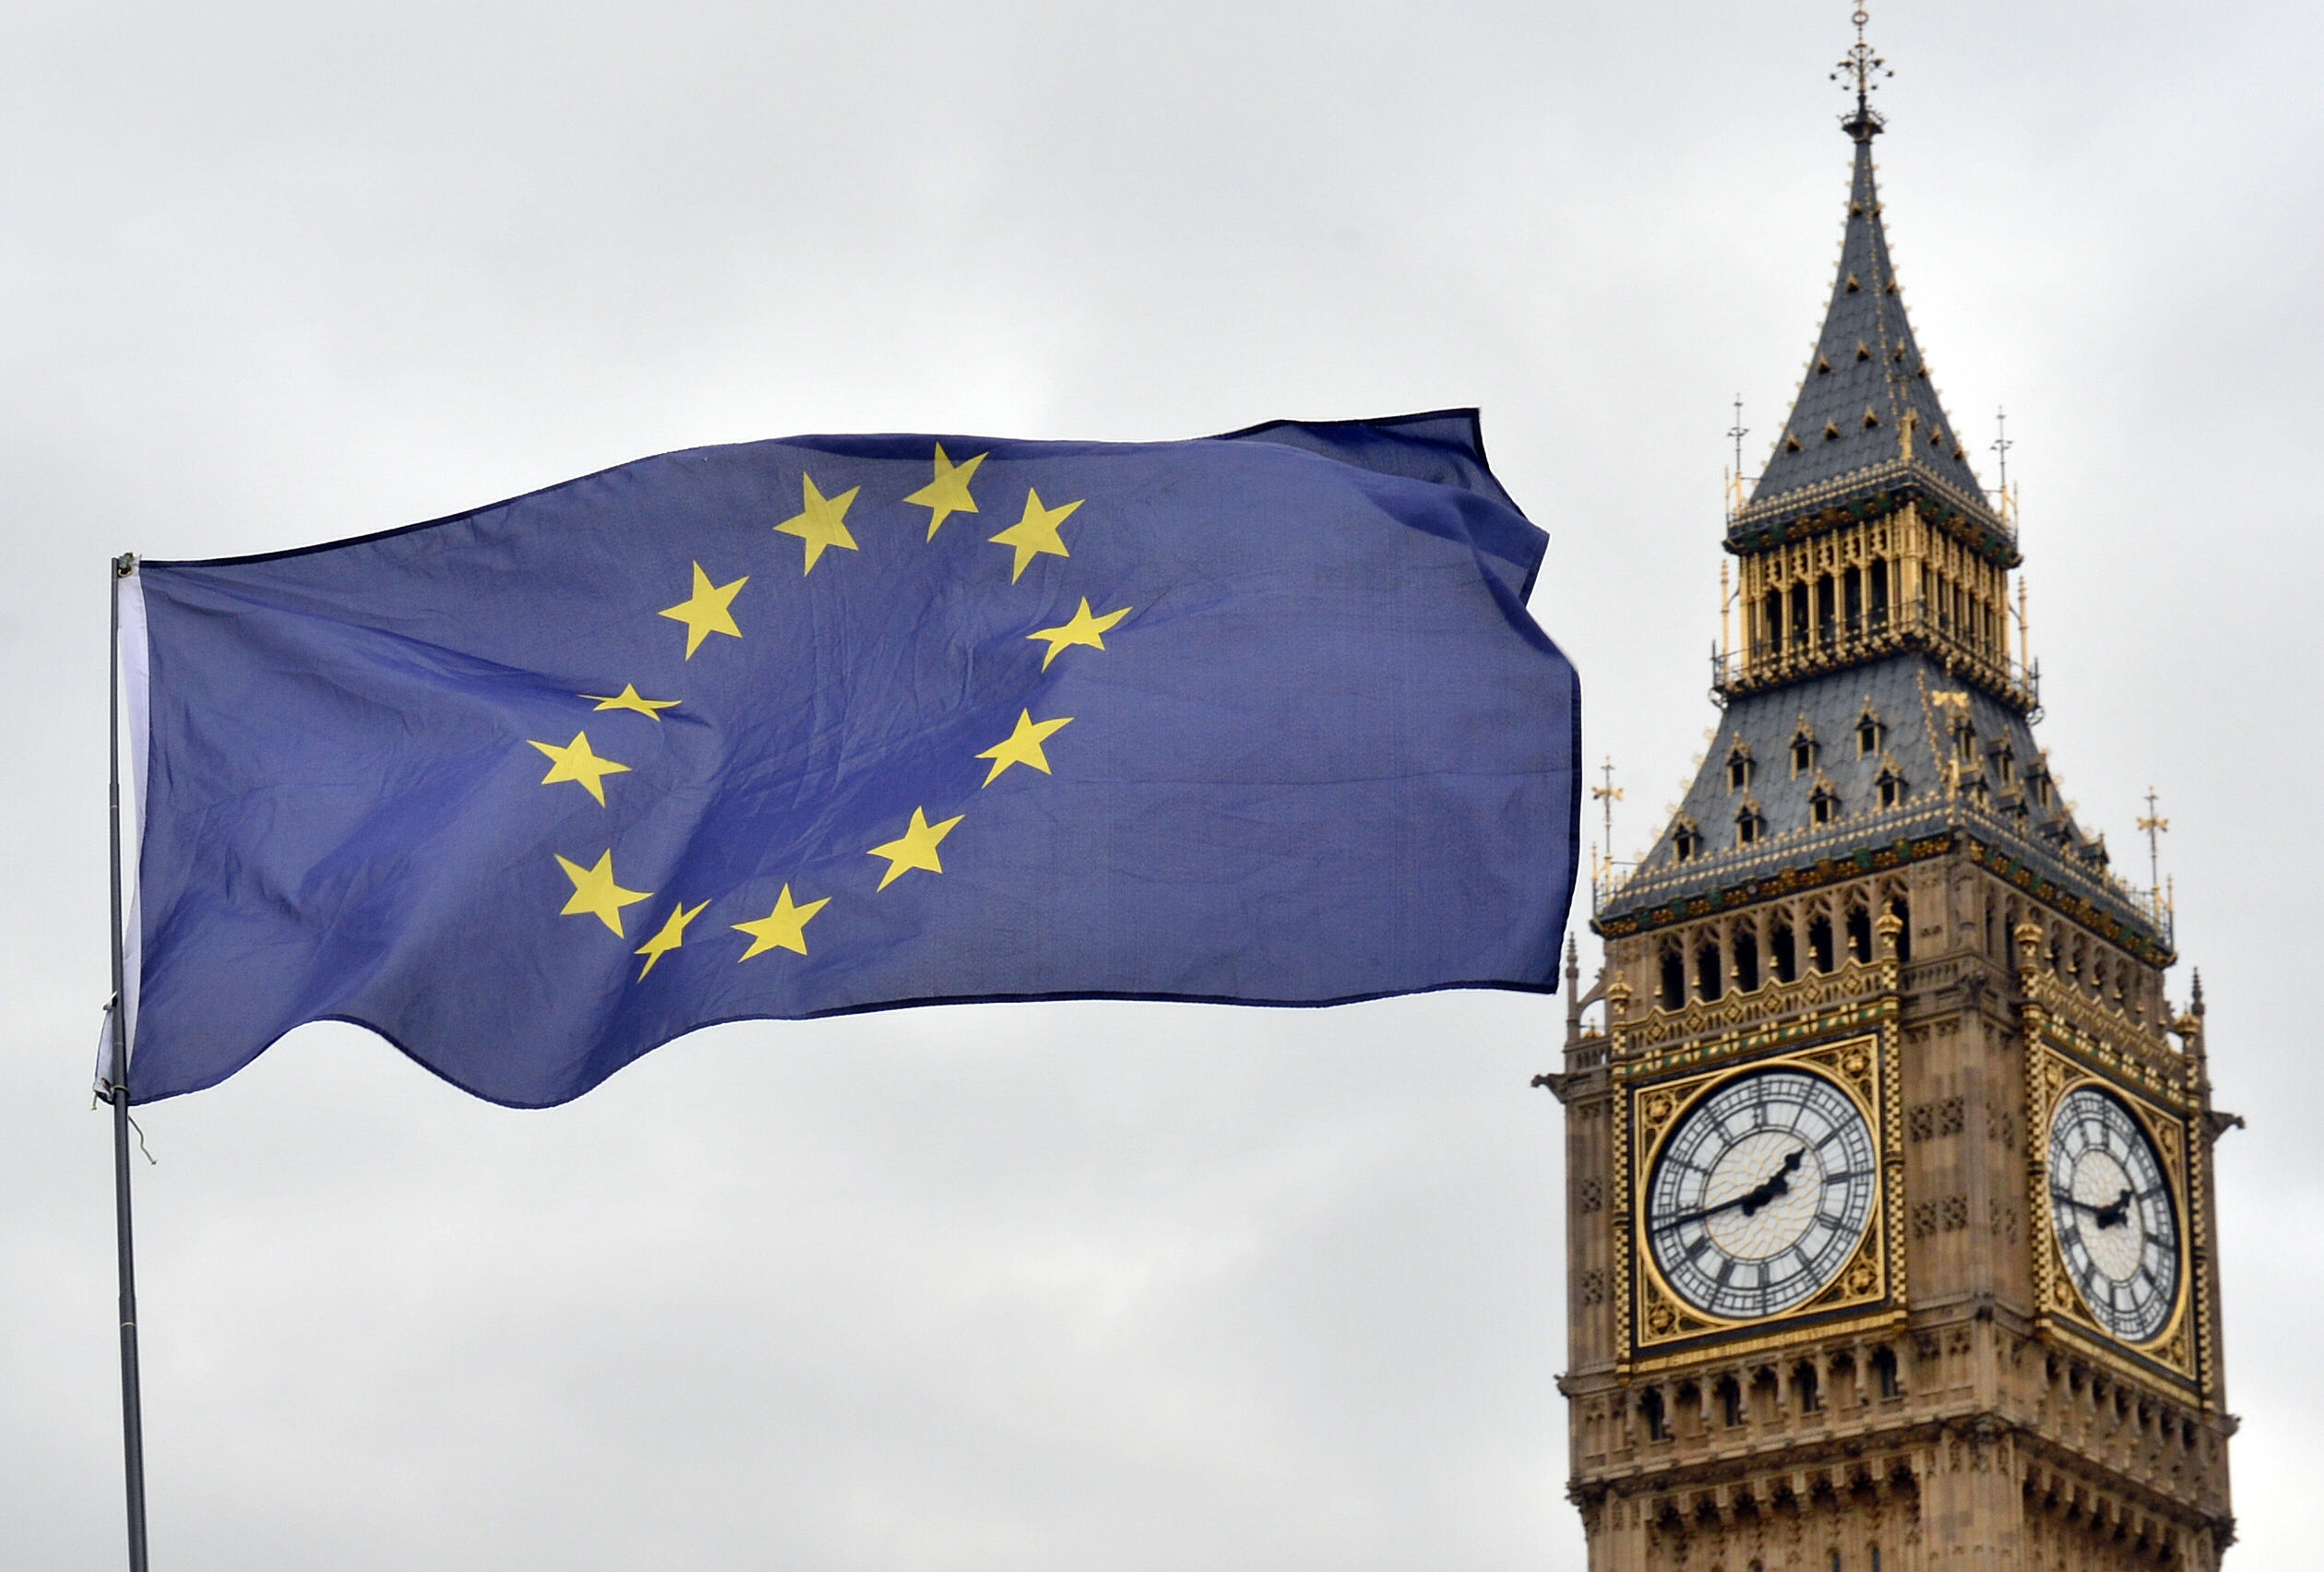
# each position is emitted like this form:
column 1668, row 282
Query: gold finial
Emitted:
column 2001, row 446
column 1726, row 600
column 2029, row 937
column 1602, row 878
column 1861, row 68
column 2154, row 826
column 1735, row 433
column 1890, row 927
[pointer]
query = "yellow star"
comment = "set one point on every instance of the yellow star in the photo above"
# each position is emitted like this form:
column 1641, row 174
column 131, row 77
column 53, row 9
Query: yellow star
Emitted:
column 1036, row 533
column 577, row 762
column 916, row 848
column 706, row 612
column 628, row 699
column 1023, row 745
column 783, row 928
column 596, row 895
column 673, row 934
column 1083, row 629
column 821, row 520
column 948, row 492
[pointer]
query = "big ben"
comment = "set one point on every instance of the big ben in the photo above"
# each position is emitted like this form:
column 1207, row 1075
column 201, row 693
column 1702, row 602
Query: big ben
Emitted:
column 1890, row 1228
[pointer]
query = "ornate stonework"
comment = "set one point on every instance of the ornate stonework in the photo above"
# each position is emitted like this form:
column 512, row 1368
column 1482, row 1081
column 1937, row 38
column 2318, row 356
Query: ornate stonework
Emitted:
column 1875, row 887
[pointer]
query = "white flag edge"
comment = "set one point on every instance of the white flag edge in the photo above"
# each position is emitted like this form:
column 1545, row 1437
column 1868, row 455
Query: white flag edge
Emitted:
column 132, row 697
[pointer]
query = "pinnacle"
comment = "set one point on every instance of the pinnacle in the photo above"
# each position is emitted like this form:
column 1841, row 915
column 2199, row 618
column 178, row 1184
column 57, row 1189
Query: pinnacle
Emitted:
column 1866, row 414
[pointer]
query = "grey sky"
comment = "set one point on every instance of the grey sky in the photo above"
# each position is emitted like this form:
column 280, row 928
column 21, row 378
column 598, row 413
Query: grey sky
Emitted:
column 1079, row 1285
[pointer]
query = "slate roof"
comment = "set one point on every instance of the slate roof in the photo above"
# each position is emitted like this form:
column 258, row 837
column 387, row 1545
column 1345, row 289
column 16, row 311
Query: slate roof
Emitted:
column 1917, row 744
column 1846, row 438
column 1863, row 467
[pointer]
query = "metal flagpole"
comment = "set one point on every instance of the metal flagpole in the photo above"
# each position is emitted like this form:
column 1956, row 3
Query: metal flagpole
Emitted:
column 117, row 1086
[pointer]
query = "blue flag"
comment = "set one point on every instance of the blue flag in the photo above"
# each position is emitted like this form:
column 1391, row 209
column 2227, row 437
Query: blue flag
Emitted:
column 790, row 729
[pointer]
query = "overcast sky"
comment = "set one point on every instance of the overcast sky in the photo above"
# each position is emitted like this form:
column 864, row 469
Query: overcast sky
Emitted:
column 1072, row 1286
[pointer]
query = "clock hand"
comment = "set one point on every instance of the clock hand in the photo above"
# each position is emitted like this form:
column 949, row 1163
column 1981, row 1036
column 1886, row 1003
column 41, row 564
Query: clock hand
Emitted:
column 1778, row 1183
column 1750, row 1201
column 2109, row 1216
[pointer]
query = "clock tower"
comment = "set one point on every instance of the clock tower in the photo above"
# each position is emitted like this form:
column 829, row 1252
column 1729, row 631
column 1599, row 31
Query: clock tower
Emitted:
column 1888, row 1165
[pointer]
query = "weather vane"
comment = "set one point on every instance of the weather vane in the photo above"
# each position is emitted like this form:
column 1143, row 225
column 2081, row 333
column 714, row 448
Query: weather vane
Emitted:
column 2155, row 825
column 1607, row 795
column 1735, row 486
column 1862, row 68
column 2001, row 446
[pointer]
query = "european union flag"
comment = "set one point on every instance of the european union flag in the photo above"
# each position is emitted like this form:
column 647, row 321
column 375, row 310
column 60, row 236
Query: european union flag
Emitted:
column 789, row 729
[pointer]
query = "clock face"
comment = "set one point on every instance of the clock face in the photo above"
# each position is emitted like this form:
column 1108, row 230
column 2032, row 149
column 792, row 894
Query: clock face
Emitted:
column 2110, row 1201
column 1761, row 1194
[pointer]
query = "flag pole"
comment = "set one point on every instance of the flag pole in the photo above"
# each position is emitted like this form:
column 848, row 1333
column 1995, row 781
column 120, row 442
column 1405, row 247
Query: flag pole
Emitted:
column 117, row 1089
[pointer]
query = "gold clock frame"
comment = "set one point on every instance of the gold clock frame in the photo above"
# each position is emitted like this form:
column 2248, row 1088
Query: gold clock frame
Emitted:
column 1657, row 1326
column 2051, row 1077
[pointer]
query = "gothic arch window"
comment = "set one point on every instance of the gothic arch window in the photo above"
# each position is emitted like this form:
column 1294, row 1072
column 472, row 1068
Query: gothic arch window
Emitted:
column 1870, row 733
column 1889, row 785
column 1687, row 841
column 1852, row 601
column 1819, row 942
column 1823, row 803
column 1901, row 910
column 1799, row 615
column 1751, row 825
column 1804, row 1383
column 1784, row 952
column 1802, row 749
column 1730, row 1393
column 1738, row 768
column 1825, row 612
column 1884, row 1372
column 1879, row 578
column 1672, row 990
column 1771, row 623
column 1747, row 958
column 1966, row 742
column 1708, row 974
column 1860, row 933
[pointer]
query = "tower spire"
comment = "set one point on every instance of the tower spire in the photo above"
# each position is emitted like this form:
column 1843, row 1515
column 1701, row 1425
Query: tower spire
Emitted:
column 1861, row 68
column 1866, row 426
